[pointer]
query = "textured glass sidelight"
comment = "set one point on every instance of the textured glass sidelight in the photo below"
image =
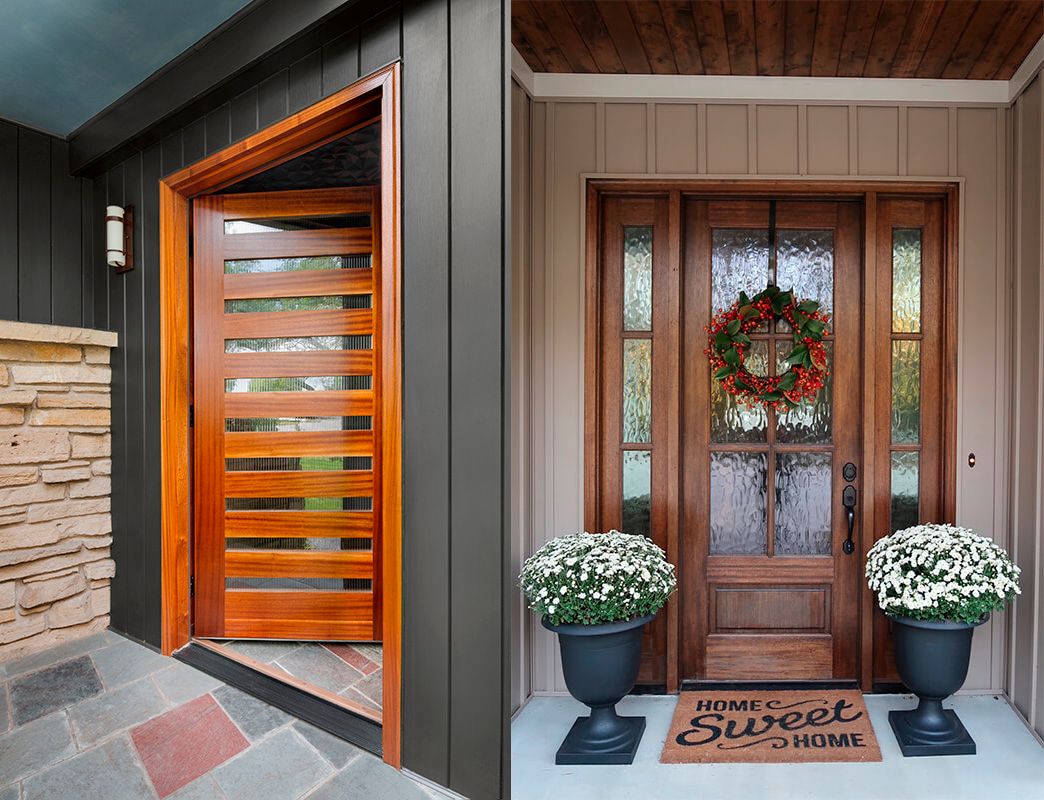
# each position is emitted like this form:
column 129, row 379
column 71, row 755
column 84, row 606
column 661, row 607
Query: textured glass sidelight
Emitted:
column 805, row 263
column 905, row 505
column 637, row 391
column 638, row 277
column 739, row 262
column 637, row 492
column 732, row 422
column 803, row 483
column 906, row 280
column 296, row 264
column 906, row 392
column 812, row 421
column 738, row 503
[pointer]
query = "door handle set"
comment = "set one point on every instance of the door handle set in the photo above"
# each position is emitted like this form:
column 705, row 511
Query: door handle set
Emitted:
column 848, row 500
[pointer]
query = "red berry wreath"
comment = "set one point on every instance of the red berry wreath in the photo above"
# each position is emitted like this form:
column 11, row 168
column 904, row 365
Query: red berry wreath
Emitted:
column 728, row 342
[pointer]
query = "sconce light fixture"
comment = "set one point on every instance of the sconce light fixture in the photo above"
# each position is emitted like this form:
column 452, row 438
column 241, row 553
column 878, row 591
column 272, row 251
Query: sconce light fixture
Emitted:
column 119, row 237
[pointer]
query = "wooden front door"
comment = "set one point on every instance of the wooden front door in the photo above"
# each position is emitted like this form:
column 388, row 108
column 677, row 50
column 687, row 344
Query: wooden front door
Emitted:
column 769, row 590
column 286, row 415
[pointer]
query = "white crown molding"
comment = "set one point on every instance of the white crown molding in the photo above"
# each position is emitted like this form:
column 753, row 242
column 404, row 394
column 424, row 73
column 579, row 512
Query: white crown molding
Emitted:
column 1027, row 71
column 575, row 86
column 521, row 71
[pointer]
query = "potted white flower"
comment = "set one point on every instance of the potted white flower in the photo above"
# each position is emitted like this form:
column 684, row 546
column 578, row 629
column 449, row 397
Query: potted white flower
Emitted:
column 937, row 583
column 597, row 591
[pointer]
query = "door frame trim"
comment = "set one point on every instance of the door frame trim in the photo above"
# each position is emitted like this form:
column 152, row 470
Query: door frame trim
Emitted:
column 376, row 95
column 595, row 187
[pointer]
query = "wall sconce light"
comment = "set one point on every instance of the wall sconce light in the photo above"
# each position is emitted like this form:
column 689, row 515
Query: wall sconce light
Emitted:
column 119, row 237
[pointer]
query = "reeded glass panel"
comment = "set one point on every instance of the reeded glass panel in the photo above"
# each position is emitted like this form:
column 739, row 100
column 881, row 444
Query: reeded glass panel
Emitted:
column 361, row 544
column 906, row 392
column 738, row 503
column 354, row 423
column 298, row 344
column 906, row 280
column 297, row 264
column 328, row 383
column 638, row 270
column 298, row 464
column 313, row 223
column 731, row 421
column 302, row 584
column 637, row 390
column 298, row 504
column 803, row 504
column 805, row 263
column 739, row 262
column 637, row 492
column 812, row 421
column 905, row 490
column 328, row 303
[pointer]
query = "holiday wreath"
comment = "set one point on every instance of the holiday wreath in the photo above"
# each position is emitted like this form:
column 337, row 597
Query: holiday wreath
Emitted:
column 728, row 342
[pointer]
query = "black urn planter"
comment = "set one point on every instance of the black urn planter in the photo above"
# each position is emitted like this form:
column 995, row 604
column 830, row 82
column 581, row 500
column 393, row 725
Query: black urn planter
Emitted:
column 600, row 663
column 932, row 658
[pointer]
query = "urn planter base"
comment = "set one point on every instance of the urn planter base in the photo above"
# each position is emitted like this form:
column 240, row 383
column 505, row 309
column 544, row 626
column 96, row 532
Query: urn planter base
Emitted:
column 951, row 740
column 602, row 738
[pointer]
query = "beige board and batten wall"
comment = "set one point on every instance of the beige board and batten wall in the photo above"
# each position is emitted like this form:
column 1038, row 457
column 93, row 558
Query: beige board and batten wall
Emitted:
column 571, row 140
column 55, row 467
column 1026, row 672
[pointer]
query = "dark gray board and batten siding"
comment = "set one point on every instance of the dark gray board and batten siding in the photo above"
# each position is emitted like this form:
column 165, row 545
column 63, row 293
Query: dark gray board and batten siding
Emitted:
column 455, row 351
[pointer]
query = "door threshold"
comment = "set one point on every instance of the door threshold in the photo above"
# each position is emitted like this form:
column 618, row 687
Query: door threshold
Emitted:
column 765, row 686
column 334, row 714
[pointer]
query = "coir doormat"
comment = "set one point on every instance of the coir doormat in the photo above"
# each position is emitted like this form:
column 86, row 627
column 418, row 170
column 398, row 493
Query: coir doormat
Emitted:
column 768, row 726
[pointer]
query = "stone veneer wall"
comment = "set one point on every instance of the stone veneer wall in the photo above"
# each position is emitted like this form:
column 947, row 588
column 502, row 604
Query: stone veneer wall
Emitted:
column 55, row 484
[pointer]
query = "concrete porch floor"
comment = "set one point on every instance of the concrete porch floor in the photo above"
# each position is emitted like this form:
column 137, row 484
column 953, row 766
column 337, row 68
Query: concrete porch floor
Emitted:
column 105, row 718
column 1009, row 764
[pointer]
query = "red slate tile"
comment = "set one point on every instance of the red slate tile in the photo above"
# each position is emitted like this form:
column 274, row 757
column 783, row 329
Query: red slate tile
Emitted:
column 356, row 659
column 179, row 746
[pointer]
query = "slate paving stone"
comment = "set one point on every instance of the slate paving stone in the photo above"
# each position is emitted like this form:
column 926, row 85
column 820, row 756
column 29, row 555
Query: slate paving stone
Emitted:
column 116, row 711
column 334, row 749
column 200, row 789
column 281, row 767
column 127, row 661
column 32, row 747
column 39, row 693
column 374, row 652
column 358, row 697
column 254, row 717
column 265, row 652
column 370, row 688
column 55, row 655
column 319, row 667
column 181, row 683
column 5, row 710
column 10, row 793
column 181, row 745
column 370, row 778
column 110, row 771
column 351, row 655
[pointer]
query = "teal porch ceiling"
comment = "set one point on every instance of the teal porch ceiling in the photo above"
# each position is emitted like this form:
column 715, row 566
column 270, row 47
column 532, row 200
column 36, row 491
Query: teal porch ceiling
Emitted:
column 63, row 61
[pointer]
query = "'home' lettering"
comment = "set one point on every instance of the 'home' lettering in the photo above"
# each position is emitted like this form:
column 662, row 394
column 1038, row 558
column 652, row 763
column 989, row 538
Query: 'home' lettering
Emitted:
column 730, row 705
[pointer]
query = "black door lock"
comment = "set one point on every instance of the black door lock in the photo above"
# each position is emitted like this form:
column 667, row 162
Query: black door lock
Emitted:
column 848, row 500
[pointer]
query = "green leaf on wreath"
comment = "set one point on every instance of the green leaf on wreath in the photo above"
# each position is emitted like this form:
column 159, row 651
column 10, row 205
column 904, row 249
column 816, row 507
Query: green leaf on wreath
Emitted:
column 808, row 306
column 722, row 341
column 733, row 327
column 744, row 300
column 815, row 326
column 790, row 403
column 806, row 362
column 798, row 355
column 723, row 372
column 787, row 382
column 742, row 385
column 749, row 311
column 731, row 357
column 772, row 397
column 800, row 320
column 741, row 338
column 786, row 298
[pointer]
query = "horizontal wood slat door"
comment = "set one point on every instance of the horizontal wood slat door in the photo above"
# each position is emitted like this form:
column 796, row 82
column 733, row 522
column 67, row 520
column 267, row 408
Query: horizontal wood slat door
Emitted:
column 286, row 336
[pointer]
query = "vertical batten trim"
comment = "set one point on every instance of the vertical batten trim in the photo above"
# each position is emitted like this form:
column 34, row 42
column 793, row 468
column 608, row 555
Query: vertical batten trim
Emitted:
column 549, row 361
column 802, row 140
column 599, row 135
column 952, row 145
column 752, row 139
column 1038, row 556
column 903, row 145
column 650, row 145
column 701, row 138
column 853, row 140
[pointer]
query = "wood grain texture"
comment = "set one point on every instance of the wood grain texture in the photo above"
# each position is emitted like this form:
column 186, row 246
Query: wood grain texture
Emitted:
column 800, row 37
column 297, row 364
column 298, row 244
column 305, row 203
column 305, row 283
column 273, row 444
column 288, row 524
column 298, row 564
column 299, row 404
column 749, row 657
column 289, row 614
column 767, row 609
column 329, row 483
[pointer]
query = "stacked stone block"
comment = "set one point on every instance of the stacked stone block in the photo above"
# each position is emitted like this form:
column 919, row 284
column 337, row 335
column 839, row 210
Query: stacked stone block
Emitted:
column 55, row 467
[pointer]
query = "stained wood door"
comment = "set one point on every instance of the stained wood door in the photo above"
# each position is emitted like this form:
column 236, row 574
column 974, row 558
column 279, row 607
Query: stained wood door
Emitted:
column 286, row 415
column 768, row 591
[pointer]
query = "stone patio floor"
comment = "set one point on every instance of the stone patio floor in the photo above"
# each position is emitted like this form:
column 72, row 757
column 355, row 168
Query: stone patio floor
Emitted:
column 104, row 717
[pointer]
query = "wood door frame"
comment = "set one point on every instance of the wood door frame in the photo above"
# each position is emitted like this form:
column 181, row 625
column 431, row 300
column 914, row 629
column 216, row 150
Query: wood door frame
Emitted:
column 595, row 188
column 377, row 95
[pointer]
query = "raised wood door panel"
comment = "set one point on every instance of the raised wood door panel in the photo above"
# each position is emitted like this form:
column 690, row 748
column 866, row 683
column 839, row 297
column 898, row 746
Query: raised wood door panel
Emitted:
column 766, row 589
column 287, row 465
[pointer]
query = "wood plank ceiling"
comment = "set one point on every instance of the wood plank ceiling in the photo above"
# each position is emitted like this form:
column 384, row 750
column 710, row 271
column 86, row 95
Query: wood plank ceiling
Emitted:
column 985, row 40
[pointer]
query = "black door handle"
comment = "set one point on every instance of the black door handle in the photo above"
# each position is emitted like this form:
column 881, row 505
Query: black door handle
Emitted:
column 848, row 500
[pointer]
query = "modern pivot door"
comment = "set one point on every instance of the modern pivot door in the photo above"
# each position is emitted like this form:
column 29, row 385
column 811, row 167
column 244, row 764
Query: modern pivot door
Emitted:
column 286, row 415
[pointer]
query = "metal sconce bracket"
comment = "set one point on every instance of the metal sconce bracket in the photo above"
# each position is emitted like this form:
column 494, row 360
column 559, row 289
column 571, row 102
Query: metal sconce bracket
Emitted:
column 128, row 240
